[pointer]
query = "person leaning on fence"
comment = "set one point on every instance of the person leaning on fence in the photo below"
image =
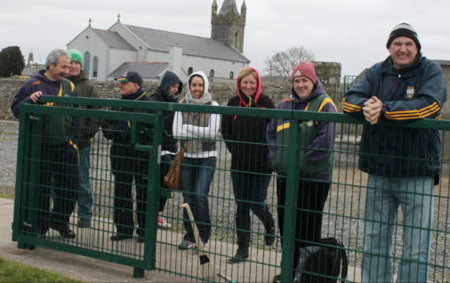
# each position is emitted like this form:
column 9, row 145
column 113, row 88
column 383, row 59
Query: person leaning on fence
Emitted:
column 245, row 138
column 402, row 163
column 198, row 132
column 88, row 129
column 316, row 144
column 169, row 91
column 59, row 154
column 127, row 163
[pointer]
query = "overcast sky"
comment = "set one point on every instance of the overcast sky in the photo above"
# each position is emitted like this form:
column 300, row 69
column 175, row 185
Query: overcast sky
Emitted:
column 350, row 32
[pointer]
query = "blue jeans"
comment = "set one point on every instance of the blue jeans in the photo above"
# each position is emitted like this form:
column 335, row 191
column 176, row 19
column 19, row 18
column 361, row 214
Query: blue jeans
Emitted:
column 383, row 197
column 196, row 177
column 85, row 192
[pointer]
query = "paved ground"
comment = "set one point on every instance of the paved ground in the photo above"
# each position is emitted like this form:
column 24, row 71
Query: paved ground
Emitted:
column 72, row 266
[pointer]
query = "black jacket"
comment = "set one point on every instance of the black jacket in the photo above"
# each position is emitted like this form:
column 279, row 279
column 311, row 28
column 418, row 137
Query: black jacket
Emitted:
column 124, row 156
column 161, row 95
column 245, row 138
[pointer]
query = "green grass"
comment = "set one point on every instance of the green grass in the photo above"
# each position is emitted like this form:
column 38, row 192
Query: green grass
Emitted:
column 11, row 271
column 7, row 196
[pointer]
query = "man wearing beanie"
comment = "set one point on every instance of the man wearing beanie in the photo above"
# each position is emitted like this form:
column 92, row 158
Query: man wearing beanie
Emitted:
column 315, row 159
column 169, row 91
column 402, row 163
column 88, row 129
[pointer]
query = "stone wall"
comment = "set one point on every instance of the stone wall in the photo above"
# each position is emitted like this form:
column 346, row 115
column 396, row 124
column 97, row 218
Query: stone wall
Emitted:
column 277, row 88
column 273, row 87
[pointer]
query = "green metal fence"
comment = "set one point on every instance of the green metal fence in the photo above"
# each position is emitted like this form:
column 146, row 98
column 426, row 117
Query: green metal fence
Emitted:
column 342, row 217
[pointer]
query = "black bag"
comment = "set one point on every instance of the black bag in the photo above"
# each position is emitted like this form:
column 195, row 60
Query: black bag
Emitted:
column 322, row 263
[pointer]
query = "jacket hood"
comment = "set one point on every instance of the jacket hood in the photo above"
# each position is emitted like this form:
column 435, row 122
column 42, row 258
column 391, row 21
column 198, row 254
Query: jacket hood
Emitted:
column 41, row 77
column 205, row 80
column 388, row 65
column 258, row 89
column 169, row 79
column 206, row 96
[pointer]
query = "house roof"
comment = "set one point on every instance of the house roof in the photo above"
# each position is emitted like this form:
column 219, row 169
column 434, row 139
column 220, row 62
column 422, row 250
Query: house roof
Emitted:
column 192, row 45
column 113, row 39
column 31, row 70
column 147, row 70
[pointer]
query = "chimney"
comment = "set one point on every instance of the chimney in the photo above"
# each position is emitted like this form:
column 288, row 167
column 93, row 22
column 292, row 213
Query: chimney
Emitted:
column 176, row 59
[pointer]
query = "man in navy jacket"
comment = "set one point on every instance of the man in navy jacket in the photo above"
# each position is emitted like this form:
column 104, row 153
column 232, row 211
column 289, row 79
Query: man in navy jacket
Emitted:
column 402, row 163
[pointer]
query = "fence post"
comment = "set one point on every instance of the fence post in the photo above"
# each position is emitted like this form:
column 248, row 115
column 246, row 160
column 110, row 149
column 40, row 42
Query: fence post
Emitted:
column 290, row 206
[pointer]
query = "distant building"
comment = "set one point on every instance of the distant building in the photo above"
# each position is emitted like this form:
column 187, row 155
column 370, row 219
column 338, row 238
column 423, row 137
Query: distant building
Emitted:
column 31, row 67
column 151, row 52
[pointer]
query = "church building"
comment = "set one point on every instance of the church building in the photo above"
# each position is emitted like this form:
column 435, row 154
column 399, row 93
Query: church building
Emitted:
column 109, row 53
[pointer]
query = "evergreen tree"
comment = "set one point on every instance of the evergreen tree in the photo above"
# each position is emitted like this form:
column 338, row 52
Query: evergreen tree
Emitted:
column 12, row 61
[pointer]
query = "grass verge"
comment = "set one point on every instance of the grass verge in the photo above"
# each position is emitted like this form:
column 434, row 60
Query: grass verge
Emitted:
column 11, row 271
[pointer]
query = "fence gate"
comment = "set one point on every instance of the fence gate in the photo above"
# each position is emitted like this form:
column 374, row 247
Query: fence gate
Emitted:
column 45, row 189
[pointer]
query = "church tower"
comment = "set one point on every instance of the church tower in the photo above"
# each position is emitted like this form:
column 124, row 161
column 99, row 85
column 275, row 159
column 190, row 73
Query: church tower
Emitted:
column 228, row 25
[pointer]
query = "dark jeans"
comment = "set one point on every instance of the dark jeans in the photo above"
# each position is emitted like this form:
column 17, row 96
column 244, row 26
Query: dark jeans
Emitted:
column 196, row 177
column 59, row 173
column 250, row 193
column 128, row 171
column 310, row 203
column 166, row 160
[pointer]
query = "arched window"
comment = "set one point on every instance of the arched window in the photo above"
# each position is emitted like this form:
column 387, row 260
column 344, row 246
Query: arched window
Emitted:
column 211, row 74
column 231, row 75
column 190, row 71
column 95, row 67
column 87, row 61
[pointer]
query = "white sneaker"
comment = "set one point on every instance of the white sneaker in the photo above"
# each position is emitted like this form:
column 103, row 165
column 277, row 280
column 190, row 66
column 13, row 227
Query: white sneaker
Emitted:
column 162, row 222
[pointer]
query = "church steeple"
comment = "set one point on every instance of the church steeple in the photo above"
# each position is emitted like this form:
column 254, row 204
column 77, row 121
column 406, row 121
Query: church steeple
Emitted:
column 228, row 25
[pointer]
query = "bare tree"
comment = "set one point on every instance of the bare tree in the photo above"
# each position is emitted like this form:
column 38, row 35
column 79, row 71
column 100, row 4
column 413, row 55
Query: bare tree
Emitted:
column 282, row 63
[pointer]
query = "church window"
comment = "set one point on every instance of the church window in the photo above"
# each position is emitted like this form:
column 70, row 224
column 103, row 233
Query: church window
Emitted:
column 87, row 61
column 231, row 75
column 211, row 74
column 95, row 67
column 190, row 71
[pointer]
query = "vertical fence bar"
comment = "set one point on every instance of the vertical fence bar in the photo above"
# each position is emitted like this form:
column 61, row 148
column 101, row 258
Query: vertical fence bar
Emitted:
column 290, row 208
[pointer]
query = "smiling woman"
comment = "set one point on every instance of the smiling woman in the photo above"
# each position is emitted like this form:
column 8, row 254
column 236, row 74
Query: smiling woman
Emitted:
column 197, row 133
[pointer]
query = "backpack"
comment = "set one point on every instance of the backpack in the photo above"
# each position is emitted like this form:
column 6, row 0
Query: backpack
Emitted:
column 322, row 263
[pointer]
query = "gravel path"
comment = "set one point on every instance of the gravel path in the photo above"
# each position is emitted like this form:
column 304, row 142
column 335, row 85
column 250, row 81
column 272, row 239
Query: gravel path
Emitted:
column 343, row 212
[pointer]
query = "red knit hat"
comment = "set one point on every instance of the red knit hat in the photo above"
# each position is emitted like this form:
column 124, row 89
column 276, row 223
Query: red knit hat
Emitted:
column 305, row 69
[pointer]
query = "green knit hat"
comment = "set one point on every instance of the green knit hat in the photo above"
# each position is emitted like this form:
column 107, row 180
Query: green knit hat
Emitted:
column 76, row 56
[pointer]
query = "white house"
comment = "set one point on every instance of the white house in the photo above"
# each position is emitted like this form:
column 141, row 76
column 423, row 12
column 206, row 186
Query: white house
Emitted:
column 109, row 53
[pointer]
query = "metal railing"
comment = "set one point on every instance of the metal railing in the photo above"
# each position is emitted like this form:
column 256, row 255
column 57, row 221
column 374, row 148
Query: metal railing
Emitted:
column 342, row 217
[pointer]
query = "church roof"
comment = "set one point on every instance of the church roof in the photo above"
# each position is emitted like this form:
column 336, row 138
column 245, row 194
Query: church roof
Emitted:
column 147, row 70
column 192, row 45
column 113, row 39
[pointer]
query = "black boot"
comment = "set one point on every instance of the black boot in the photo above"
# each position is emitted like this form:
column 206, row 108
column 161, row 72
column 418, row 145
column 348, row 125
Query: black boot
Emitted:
column 269, row 225
column 243, row 241
column 241, row 255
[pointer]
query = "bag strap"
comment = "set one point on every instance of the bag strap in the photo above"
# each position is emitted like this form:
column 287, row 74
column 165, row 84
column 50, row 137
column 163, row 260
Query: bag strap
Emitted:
column 317, row 103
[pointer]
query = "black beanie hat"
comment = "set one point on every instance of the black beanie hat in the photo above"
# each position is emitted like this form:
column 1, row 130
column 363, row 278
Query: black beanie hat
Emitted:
column 403, row 29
